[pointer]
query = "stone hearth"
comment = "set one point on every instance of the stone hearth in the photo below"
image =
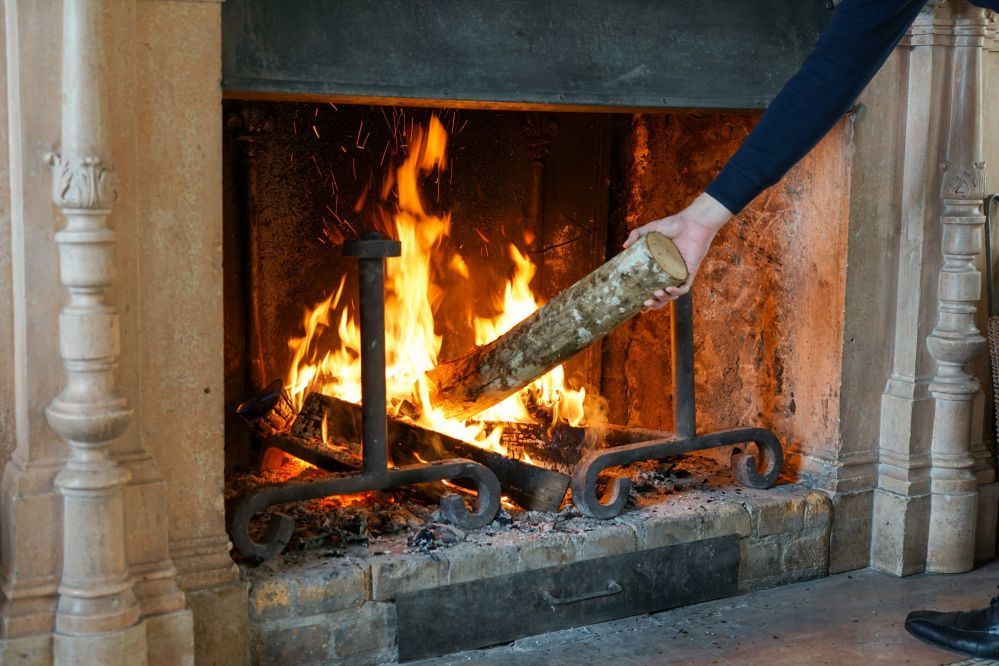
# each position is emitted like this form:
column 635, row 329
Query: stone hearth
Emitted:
column 371, row 604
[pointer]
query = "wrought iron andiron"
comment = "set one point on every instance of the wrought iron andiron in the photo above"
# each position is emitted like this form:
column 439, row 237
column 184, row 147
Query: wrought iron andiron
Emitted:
column 371, row 251
column 748, row 469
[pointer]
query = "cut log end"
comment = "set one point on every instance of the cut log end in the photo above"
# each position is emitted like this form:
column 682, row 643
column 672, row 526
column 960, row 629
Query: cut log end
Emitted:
column 268, row 412
column 665, row 253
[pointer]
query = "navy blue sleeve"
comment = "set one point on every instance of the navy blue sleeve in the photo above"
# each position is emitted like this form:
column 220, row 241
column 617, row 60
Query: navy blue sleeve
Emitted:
column 858, row 39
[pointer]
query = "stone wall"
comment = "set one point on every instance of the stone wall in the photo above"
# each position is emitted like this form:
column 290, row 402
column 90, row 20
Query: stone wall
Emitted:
column 768, row 301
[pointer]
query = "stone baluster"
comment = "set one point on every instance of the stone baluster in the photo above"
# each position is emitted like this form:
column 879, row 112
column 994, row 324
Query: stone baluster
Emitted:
column 98, row 619
column 956, row 339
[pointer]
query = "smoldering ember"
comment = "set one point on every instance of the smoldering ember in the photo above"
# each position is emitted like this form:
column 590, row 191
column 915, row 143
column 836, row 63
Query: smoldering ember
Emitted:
column 514, row 333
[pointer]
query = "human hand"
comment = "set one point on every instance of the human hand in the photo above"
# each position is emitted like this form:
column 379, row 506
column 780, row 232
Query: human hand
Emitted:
column 692, row 230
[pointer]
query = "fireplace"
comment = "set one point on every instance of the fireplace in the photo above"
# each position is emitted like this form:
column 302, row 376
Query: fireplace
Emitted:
column 809, row 321
column 499, row 210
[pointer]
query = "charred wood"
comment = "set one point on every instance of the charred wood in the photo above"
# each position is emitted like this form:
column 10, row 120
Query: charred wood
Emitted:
column 530, row 486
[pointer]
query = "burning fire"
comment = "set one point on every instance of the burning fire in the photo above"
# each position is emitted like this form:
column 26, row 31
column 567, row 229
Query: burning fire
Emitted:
column 412, row 344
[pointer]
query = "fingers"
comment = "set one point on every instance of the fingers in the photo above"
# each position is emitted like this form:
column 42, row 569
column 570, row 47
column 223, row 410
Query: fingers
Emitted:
column 662, row 297
column 669, row 226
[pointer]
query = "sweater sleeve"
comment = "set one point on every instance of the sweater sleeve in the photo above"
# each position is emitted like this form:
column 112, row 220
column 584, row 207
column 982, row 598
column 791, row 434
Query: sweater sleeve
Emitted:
column 855, row 43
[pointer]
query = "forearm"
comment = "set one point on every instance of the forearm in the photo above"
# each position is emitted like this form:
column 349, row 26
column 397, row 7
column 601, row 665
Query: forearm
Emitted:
column 858, row 39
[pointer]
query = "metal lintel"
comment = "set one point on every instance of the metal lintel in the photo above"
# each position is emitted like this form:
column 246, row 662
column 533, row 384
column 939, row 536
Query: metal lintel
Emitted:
column 580, row 55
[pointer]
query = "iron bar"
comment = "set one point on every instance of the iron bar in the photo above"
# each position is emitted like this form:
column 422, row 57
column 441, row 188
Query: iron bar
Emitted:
column 756, row 470
column 682, row 356
column 371, row 251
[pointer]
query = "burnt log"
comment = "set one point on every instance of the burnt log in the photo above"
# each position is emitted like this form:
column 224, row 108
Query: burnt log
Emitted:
column 324, row 455
column 269, row 412
column 567, row 324
column 530, row 486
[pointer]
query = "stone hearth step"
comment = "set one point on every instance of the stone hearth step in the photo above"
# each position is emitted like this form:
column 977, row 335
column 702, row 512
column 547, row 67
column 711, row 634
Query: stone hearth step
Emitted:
column 380, row 603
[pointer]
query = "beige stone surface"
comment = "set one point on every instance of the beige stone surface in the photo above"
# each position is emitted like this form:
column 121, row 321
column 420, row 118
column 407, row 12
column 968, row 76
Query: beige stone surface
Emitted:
column 32, row 370
column 850, row 535
column 221, row 625
column 169, row 639
column 179, row 350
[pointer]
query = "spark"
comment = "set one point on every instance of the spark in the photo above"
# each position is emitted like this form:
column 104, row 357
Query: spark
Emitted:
column 315, row 131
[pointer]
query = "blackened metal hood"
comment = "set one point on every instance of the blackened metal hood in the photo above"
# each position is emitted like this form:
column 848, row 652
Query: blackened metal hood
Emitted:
column 584, row 54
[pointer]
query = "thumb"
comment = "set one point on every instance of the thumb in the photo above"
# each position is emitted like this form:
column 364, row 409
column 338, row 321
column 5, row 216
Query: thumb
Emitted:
column 632, row 237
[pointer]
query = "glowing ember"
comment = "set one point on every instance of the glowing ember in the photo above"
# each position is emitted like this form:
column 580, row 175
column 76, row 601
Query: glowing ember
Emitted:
column 412, row 344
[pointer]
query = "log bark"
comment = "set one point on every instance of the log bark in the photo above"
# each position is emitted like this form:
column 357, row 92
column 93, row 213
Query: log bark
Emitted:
column 530, row 486
column 570, row 322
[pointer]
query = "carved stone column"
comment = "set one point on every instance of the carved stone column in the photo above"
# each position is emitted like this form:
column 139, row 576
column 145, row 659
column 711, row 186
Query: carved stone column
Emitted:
column 956, row 340
column 98, row 619
column 983, row 430
column 901, row 500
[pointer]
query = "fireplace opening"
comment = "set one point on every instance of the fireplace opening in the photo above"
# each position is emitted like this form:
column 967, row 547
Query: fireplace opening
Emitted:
column 644, row 450
column 497, row 212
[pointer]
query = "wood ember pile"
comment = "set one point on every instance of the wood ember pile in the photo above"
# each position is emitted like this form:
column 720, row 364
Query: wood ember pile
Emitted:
column 366, row 523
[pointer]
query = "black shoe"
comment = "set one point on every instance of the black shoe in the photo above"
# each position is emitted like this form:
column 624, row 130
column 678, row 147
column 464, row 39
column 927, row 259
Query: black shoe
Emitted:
column 972, row 633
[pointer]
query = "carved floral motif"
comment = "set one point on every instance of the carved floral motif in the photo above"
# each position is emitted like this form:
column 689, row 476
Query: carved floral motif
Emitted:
column 963, row 182
column 83, row 182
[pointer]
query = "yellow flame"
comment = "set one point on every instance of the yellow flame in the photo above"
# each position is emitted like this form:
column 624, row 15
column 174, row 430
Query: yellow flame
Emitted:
column 549, row 392
column 411, row 342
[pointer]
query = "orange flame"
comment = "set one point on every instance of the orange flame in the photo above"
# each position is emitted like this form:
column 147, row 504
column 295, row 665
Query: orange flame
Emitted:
column 412, row 344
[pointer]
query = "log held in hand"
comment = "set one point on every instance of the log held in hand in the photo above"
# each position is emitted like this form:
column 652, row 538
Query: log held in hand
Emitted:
column 567, row 324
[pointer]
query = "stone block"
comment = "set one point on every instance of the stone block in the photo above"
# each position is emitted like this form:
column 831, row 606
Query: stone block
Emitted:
column 369, row 630
column 469, row 561
column 674, row 523
column 656, row 528
column 724, row 519
column 221, row 624
column 270, row 598
column 760, row 561
column 35, row 650
column 394, row 574
column 548, row 551
column 170, row 637
column 988, row 514
column 818, row 510
column 302, row 644
column 777, row 515
column 325, row 589
column 805, row 556
column 609, row 538
column 127, row 647
column 900, row 526
column 850, row 532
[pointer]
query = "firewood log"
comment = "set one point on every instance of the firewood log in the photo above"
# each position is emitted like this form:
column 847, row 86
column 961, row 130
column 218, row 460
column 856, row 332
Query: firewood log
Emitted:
column 567, row 324
column 530, row 486
column 270, row 412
